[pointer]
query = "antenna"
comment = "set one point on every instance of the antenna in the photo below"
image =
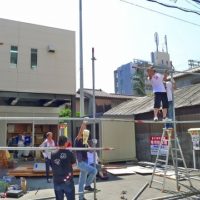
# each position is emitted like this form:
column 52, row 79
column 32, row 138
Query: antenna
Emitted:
column 166, row 44
column 156, row 40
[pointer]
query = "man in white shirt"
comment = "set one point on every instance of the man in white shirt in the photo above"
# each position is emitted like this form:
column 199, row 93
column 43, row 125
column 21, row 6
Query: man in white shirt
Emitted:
column 48, row 142
column 159, row 91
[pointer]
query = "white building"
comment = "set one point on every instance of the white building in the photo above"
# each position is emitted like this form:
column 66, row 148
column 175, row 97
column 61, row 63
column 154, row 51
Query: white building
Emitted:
column 37, row 73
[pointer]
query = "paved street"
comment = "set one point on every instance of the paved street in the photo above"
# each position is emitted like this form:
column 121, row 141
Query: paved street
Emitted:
column 113, row 188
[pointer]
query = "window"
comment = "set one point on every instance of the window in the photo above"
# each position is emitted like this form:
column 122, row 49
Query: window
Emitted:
column 13, row 56
column 33, row 58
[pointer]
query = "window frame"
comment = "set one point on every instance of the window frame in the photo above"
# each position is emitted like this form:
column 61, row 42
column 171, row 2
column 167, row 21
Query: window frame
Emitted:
column 34, row 58
column 13, row 56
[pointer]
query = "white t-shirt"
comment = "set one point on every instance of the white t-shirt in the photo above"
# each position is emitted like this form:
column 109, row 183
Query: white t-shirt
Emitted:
column 21, row 141
column 169, row 89
column 157, row 83
column 46, row 143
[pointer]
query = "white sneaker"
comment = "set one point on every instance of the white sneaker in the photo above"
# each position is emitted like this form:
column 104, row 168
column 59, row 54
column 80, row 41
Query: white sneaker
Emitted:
column 48, row 180
column 155, row 119
column 165, row 119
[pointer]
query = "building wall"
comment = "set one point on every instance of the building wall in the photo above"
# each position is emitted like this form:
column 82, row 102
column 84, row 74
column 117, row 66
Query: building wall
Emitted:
column 86, row 106
column 55, row 72
column 145, row 131
column 186, row 80
column 102, row 104
column 3, row 130
column 121, row 136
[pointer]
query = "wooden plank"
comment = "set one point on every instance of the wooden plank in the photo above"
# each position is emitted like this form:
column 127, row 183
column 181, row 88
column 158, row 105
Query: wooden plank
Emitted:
column 21, row 169
column 141, row 170
column 28, row 171
column 120, row 171
column 29, row 174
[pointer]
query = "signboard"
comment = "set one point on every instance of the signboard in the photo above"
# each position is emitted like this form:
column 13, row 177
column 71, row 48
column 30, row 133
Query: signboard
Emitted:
column 196, row 142
column 155, row 143
column 195, row 135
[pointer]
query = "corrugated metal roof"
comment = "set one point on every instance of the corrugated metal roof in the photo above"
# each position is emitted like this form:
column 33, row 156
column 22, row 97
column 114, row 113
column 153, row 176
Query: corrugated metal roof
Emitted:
column 186, row 72
column 101, row 93
column 132, row 107
column 184, row 97
column 187, row 96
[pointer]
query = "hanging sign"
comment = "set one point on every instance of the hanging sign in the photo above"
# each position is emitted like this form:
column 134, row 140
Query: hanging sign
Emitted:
column 195, row 135
column 155, row 143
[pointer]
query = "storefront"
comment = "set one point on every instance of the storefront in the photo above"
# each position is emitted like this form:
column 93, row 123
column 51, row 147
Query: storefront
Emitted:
column 32, row 130
column 33, row 134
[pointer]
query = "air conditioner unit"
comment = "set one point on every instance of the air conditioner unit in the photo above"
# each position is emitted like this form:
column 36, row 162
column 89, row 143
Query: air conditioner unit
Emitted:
column 51, row 49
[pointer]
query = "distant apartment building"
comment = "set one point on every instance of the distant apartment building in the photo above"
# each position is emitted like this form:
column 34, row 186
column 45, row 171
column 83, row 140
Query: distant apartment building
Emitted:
column 38, row 76
column 123, row 78
column 126, row 77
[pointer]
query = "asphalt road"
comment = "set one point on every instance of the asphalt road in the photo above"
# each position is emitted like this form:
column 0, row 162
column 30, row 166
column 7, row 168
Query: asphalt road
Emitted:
column 119, row 187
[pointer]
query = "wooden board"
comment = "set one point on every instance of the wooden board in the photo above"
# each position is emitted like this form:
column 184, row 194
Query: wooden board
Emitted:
column 30, row 171
column 40, row 168
column 141, row 170
column 120, row 171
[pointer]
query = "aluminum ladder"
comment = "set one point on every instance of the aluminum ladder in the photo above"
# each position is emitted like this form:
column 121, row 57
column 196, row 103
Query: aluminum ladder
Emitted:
column 173, row 148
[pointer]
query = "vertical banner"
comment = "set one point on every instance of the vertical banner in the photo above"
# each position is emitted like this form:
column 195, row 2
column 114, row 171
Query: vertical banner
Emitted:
column 195, row 135
column 155, row 143
column 196, row 142
column 63, row 129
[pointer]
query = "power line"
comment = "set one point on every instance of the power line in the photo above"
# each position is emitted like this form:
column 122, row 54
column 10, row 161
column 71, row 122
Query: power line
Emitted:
column 158, row 12
column 196, row 1
column 192, row 4
column 171, row 6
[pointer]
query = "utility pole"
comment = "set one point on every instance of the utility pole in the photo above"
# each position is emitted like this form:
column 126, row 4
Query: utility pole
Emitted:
column 81, row 61
column 94, row 115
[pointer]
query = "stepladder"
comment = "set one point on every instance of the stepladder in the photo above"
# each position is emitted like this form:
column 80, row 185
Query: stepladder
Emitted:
column 163, row 165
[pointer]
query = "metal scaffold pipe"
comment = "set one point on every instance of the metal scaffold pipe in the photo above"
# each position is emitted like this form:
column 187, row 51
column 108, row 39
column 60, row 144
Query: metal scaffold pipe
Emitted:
column 55, row 148
column 90, row 120
column 170, row 70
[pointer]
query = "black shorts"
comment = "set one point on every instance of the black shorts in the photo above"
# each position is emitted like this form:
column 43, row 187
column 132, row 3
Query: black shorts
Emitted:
column 160, row 97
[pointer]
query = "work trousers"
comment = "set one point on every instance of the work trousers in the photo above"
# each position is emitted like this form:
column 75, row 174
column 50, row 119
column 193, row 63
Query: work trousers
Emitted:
column 65, row 189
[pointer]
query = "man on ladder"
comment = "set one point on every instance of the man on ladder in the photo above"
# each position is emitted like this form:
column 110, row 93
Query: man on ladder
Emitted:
column 173, row 147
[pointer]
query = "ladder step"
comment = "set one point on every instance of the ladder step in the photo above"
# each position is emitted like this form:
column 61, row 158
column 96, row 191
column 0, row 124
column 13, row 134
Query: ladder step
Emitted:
column 174, row 149
column 169, row 139
column 157, row 181
column 160, row 160
column 165, row 150
column 180, row 159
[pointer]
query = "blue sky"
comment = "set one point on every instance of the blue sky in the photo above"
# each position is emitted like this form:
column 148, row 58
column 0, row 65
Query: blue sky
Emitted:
column 119, row 31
